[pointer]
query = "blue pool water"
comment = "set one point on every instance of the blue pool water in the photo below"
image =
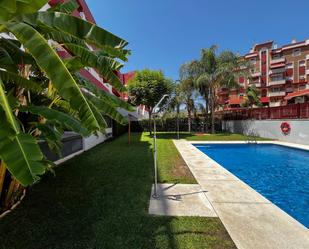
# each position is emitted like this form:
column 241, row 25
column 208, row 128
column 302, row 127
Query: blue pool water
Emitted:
column 279, row 173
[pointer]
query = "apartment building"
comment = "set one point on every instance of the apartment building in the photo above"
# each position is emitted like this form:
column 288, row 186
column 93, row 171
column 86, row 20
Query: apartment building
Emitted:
column 280, row 73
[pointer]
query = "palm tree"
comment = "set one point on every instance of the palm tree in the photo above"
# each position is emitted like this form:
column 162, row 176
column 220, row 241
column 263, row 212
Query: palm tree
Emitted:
column 175, row 103
column 214, row 72
column 42, row 94
column 187, row 88
column 252, row 97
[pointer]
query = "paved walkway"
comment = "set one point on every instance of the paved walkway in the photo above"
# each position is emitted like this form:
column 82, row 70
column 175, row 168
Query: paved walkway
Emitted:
column 180, row 200
column 252, row 221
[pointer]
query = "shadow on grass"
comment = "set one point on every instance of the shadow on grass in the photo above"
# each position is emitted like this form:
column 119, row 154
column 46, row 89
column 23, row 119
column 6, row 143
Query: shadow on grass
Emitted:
column 100, row 200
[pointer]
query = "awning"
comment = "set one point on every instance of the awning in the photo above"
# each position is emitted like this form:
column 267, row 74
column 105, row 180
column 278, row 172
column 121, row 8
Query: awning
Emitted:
column 277, row 65
column 264, row 99
column 297, row 94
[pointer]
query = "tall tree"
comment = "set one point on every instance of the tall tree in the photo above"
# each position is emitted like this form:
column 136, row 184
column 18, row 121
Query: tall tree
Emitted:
column 215, row 71
column 176, row 102
column 187, row 89
column 252, row 97
column 147, row 88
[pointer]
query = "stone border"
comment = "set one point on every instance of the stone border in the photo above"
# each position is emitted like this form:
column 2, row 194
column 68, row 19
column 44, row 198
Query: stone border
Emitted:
column 251, row 220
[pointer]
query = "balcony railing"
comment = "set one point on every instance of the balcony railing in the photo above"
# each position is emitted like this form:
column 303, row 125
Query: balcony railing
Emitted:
column 276, row 94
column 279, row 60
column 256, row 84
column 277, row 70
column 256, row 74
column 293, row 111
column 276, row 82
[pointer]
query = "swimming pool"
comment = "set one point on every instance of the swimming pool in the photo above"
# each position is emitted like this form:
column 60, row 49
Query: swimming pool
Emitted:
column 279, row 173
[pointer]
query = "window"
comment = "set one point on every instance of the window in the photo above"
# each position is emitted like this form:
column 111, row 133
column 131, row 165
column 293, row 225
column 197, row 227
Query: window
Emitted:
column 296, row 52
column 277, row 89
column 276, row 77
column 302, row 63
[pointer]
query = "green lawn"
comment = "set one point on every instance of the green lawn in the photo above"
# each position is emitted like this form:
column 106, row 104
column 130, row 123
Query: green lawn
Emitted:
column 100, row 200
column 207, row 137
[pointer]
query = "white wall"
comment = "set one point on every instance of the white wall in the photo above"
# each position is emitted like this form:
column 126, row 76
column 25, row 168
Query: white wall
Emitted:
column 271, row 129
column 93, row 140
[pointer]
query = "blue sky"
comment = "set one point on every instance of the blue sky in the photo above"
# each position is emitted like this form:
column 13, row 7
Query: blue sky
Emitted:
column 163, row 34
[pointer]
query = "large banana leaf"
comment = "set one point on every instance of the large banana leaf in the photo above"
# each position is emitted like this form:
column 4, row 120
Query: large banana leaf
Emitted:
column 59, row 117
column 19, row 151
column 20, row 81
column 29, row 6
column 79, row 28
column 48, row 60
column 23, row 157
column 103, row 64
column 61, row 37
column 8, row 114
column 104, row 96
column 107, row 109
column 67, row 7
column 11, row 8
column 18, row 56
column 6, row 61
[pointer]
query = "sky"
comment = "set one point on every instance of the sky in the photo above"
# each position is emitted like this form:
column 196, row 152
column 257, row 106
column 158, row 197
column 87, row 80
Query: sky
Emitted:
column 163, row 34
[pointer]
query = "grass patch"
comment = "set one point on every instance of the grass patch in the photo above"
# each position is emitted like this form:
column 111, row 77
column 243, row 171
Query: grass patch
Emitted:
column 207, row 137
column 100, row 200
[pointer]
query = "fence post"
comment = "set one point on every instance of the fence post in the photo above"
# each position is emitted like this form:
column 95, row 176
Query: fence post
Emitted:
column 298, row 110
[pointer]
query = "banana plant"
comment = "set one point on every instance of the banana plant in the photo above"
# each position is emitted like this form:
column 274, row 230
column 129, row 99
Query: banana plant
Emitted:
column 42, row 94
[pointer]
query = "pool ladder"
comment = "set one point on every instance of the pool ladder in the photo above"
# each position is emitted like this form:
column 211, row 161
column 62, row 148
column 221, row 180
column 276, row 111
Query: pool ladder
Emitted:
column 251, row 139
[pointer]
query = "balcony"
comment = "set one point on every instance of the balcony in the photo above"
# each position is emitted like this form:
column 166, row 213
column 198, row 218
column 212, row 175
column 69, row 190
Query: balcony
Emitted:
column 279, row 60
column 274, row 104
column 276, row 94
column 256, row 74
column 276, row 82
column 255, row 83
column 277, row 70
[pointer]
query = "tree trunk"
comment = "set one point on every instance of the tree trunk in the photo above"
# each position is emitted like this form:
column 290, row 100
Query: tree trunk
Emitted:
column 149, row 123
column 206, row 113
column 189, row 120
column 177, row 121
column 212, row 106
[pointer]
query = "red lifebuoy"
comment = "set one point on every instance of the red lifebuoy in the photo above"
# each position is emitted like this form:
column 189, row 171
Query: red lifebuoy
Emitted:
column 285, row 128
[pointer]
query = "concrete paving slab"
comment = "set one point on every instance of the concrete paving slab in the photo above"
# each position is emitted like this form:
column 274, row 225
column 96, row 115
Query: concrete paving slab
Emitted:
column 261, row 226
column 231, row 191
column 180, row 200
